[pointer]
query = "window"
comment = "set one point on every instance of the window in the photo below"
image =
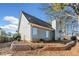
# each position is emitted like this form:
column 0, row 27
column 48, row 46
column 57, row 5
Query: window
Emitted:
column 47, row 34
column 34, row 31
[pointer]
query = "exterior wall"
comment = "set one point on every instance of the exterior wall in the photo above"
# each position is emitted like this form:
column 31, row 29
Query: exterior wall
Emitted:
column 52, row 35
column 55, row 25
column 57, row 35
column 25, row 29
column 41, row 34
column 34, row 33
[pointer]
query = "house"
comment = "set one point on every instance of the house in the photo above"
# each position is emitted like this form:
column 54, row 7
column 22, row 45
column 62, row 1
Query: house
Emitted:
column 32, row 28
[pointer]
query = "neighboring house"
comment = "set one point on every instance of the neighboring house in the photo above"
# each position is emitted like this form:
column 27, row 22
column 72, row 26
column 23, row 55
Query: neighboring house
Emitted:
column 32, row 28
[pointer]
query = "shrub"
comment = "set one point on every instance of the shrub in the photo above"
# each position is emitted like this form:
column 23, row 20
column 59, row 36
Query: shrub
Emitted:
column 17, row 36
column 9, row 39
column 3, row 39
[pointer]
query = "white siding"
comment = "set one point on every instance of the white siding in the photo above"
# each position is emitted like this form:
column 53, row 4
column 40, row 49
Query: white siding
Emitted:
column 55, row 25
column 25, row 29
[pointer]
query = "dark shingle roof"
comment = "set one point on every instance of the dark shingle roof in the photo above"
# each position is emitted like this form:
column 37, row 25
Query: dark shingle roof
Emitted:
column 37, row 21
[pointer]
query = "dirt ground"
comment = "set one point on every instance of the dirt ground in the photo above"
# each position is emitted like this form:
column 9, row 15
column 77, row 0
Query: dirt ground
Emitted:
column 6, row 51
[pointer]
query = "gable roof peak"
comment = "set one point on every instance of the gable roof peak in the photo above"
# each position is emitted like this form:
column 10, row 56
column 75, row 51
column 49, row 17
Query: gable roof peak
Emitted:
column 36, row 20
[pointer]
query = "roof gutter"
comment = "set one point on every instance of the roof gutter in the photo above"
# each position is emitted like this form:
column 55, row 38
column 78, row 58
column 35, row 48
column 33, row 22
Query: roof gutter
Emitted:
column 41, row 27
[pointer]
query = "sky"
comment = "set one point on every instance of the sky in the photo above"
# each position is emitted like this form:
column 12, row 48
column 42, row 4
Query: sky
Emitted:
column 10, row 13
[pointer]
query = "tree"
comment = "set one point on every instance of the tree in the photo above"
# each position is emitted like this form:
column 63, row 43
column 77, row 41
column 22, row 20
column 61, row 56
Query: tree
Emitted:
column 0, row 30
column 3, row 36
column 3, row 33
column 60, row 12
column 57, row 7
column 75, row 6
column 56, row 10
